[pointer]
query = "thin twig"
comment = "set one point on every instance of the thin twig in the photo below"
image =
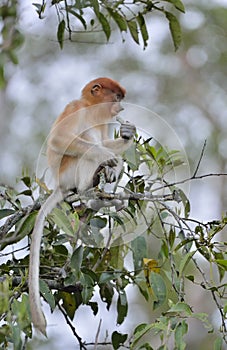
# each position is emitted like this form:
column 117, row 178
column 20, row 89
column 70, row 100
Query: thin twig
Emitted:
column 180, row 182
column 97, row 334
column 68, row 321
column 207, row 284
column 200, row 159
column 68, row 21
column 25, row 343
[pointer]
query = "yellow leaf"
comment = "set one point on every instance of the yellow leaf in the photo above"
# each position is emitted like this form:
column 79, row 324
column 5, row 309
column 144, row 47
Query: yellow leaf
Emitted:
column 150, row 265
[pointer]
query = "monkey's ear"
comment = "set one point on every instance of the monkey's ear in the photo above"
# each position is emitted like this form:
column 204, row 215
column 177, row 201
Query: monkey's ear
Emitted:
column 96, row 89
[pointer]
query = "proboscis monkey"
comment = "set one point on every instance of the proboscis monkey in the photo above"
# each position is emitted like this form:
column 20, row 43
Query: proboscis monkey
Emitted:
column 78, row 145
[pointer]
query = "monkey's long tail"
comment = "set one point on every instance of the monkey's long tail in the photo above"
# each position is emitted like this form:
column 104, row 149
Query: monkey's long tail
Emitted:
column 37, row 315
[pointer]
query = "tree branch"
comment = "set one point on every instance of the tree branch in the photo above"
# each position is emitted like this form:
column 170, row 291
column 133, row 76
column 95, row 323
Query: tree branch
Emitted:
column 13, row 219
column 68, row 321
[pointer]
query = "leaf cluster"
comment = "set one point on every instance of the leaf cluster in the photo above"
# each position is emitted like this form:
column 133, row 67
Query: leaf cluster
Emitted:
column 100, row 15
column 84, row 252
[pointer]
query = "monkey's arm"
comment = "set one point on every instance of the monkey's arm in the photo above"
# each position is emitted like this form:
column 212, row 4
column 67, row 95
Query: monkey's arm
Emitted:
column 75, row 145
column 66, row 141
column 127, row 133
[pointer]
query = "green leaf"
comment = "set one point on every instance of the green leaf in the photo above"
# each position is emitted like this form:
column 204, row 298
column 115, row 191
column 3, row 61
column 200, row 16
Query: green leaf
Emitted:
column 116, row 217
column 27, row 181
column 95, row 5
column 181, row 309
column 204, row 251
column 97, row 223
column 106, row 277
column 172, row 236
column 13, row 57
column 218, row 344
column 69, row 304
column 4, row 294
column 190, row 278
column 105, row 25
column 139, row 332
column 132, row 25
column 175, row 29
column 116, row 260
column 94, row 306
column 61, row 253
column 203, row 317
column 143, row 29
column 88, row 288
column 46, row 293
column 120, row 20
column 106, row 293
column 222, row 263
column 20, row 309
column 16, row 337
column 23, row 228
column 159, row 288
column 225, row 309
column 40, row 8
column 185, row 261
column 6, row 212
column 184, row 243
column 142, row 285
column 122, row 307
column 26, row 225
column 26, row 193
column 2, row 77
column 76, row 260
column 178, row 4
column 164, row 249
column 62, row 221
column 60, row 33
column 139, row 251
column 77, row 15
column 118, row 339
column 185, row 202
column 180, row 331
column 132, row 157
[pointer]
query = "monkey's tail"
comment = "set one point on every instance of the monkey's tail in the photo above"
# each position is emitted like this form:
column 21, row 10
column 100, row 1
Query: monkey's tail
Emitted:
column 37, row 315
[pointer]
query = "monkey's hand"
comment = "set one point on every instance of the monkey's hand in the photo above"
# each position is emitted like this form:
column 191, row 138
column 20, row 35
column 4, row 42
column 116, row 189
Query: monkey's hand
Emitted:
column 110, row 174
column 108, row 168
column 127, row 130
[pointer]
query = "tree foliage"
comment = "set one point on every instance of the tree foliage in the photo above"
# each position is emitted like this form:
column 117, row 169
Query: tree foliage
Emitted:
column 96, row 15
column 88, row 16
column 84, row 251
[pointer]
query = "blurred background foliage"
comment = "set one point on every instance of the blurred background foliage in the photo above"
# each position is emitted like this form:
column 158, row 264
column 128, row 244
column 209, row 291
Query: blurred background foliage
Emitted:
column 187, row 88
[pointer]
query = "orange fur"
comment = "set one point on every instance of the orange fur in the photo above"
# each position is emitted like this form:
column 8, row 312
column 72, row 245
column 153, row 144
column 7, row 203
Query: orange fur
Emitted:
column 81, row 128
column 78, row 144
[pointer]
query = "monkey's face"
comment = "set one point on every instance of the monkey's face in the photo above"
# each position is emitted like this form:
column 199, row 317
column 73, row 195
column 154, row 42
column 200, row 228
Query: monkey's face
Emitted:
column 107, row 91
column 112, row 97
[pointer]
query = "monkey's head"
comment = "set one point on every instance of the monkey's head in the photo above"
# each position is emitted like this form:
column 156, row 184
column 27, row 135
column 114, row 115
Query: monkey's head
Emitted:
column 104, row 90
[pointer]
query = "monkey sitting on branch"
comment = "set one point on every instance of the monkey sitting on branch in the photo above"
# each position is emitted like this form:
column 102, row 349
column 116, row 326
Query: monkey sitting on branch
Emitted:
column 78, row 148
